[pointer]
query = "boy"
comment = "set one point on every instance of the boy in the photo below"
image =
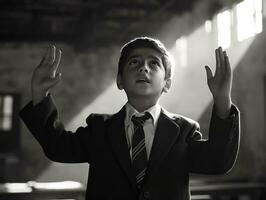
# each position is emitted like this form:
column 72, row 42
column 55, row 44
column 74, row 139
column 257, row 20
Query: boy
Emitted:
column 132, row 157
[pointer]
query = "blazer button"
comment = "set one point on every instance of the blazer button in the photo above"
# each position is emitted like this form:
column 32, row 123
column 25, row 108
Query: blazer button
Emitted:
column 146, row 195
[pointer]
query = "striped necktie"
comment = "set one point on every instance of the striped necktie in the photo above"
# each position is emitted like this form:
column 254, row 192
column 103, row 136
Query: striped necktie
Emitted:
column 139, row 154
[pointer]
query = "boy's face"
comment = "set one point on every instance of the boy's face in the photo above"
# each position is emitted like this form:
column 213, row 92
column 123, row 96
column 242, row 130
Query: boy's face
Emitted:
column 143, row 74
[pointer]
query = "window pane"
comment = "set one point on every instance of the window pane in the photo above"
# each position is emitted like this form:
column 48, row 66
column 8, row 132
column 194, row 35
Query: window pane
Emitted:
column 208, row 26
column 249, row 18
column 181, row 48
column 8, row 105
column 7, row 123
column 258, row 16
column 6, row 112
column 224, row 29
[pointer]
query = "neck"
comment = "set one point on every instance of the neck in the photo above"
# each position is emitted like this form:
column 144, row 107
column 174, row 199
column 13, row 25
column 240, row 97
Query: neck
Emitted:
column 142, row 104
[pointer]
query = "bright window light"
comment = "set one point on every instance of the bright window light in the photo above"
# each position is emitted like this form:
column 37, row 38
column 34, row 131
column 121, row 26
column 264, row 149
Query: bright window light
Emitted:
column 17, row 188
column 208, row 26
column 8, row 105
column 181, row 49
column 6, row 112
column 224, row 29
column 64, row 185
column 249, row 18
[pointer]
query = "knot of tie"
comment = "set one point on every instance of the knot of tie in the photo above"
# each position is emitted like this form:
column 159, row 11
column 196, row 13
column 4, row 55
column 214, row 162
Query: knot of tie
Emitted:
column 139, row 121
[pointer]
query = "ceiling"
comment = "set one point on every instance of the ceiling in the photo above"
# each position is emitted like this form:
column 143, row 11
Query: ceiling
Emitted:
column 78, row 21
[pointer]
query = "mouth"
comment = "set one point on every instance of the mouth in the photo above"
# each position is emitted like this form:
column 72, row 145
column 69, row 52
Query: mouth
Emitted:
column 143, row 80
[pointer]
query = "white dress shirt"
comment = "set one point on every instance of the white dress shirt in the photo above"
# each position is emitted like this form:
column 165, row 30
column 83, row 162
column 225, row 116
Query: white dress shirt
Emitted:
column 149, row 125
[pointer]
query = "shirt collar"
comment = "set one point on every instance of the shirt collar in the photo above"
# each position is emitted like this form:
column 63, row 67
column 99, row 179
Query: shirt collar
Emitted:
column 130, row 111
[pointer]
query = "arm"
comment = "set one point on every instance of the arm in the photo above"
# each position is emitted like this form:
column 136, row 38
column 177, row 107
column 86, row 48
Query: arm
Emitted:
column 58, row 144
column 41, row 115
column 220, row 84
column 217, row 154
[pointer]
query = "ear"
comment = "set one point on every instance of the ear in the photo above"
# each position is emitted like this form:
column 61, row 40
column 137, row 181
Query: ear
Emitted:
column 119, row 82
column 167, row 85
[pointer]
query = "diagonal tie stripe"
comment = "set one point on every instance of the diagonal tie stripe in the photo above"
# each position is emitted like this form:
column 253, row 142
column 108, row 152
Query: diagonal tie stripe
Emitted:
column 135, row 148
column 138, row 151
column 139, row 154
column 139, row 147
column 140, row 176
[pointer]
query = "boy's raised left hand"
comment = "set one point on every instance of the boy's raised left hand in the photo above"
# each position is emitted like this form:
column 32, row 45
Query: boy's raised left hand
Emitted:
column 220, row 84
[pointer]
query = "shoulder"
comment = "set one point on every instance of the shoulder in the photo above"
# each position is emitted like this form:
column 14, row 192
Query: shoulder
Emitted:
column 179, row 119
column 96, row 117
column 189, row 127
column 102, row 118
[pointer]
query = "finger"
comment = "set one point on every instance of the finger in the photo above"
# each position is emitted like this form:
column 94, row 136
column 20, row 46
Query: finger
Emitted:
column 53, row 81
column 222, row 59
column 56, row 62
column 45, row 58
column 227, row 64
column 218, row 61
column 208, row 73
column 51, row 55
column 42, row 62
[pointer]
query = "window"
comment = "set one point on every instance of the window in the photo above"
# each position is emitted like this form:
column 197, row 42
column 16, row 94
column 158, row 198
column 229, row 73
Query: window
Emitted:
column 6, row 112
column 9, row 122
column 249, row 18
column 208, row 26
column 181, row 49
column 224, row 29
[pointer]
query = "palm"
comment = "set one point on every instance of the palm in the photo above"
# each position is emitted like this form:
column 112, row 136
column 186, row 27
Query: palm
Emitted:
column 220, row 84
column 45, row 75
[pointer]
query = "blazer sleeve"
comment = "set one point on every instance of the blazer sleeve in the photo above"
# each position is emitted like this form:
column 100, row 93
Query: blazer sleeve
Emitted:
column 59, row 145
column 218, row 154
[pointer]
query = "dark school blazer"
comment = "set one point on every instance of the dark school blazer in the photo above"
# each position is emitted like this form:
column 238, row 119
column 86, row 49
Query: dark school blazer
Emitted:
column 178, row 149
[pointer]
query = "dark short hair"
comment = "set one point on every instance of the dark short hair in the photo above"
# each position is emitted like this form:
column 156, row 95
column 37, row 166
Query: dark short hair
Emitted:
column 146, row 42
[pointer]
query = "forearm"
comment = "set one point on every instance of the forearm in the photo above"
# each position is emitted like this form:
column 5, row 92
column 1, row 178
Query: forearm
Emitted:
column 222, row 106
column 224, row 136
column 218, row 154
column 58, row 144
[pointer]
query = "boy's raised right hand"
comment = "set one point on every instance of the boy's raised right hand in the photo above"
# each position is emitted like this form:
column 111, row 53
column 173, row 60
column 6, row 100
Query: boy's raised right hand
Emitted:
column 45, row 75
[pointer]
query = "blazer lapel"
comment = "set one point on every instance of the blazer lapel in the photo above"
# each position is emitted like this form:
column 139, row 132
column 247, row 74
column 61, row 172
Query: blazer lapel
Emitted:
column 165, row 136
column 117, row 136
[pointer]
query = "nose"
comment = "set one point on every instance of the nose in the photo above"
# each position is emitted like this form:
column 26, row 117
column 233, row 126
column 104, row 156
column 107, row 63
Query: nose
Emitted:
column 144, row 68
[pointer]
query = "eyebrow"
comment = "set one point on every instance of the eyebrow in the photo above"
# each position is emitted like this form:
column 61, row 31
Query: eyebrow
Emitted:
column 134, row 56
column 156, row 58
column 138, row 55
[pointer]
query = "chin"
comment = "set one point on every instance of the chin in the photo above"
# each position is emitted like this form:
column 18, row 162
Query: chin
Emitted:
column 141, row 92
column 147, row 94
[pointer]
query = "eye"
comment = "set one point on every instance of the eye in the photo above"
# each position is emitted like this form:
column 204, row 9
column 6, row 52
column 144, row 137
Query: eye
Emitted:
column 155, row 63
column 133, row 62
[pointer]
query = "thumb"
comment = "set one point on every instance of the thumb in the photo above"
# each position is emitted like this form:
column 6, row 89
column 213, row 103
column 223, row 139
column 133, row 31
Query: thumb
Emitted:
column 208, row 72
column 53, row 81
